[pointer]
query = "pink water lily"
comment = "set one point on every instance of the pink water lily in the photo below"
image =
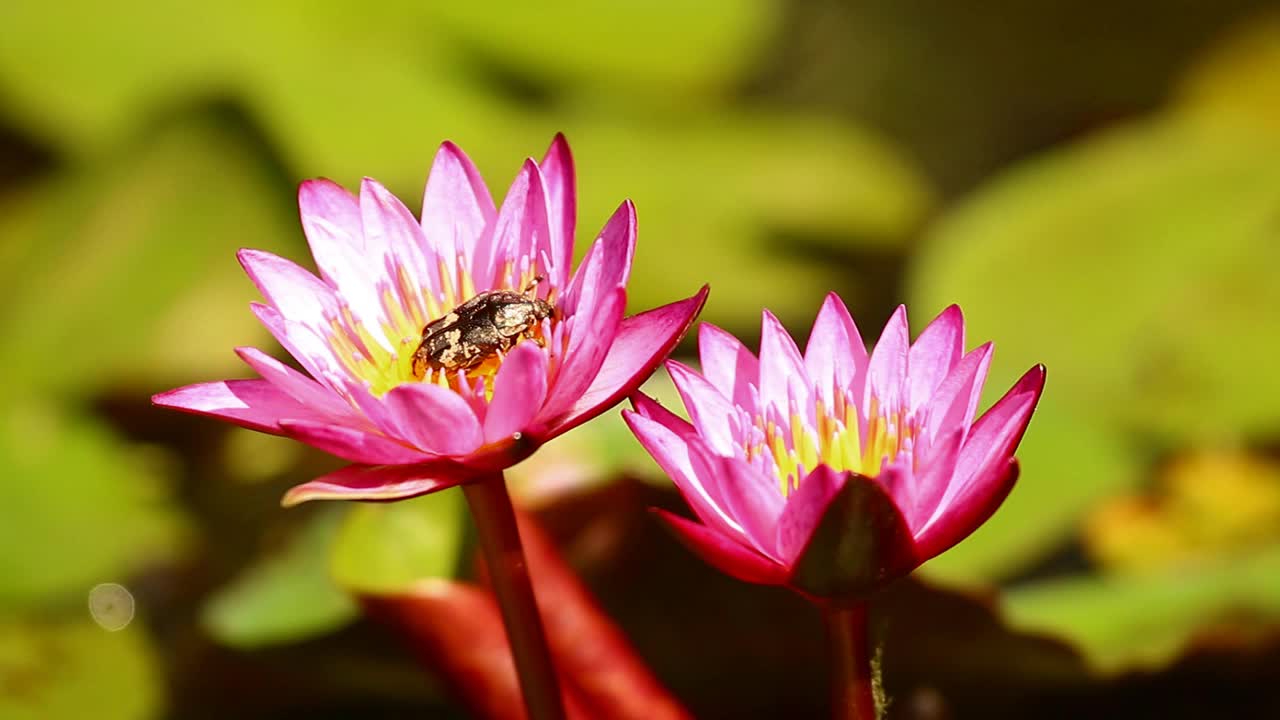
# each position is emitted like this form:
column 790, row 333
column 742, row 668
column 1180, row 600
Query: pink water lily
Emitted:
column 835, row 471
column 411, row 429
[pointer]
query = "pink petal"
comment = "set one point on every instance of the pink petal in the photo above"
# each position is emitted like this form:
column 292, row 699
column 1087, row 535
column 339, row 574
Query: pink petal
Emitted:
column 433, row 418
column 590, row 337
column 887, row 368
column 652, row 409
column 642, row 342
column 394, row 240
column 716, row 419
column 835, row 355
column 753, row 500
column 297, row 294
column 782, row 373
column 519, row 231
column 969, row 511
column 673, row 455
column 723, row 553
column 729, row 365
column 804, row 508
column 607, row 264
column 354, row 444
column 935, row 475
column 331, row 221
column 298, row 386
column 956, row 399
column 362, row 482
column 562, row 198
column 519, row 390
column 314, row 354
column 934, row 354
column 456, row 207
column 254, row 404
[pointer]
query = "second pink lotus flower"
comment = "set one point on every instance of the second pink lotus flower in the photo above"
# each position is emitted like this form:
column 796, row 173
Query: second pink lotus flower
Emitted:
column 836, row 471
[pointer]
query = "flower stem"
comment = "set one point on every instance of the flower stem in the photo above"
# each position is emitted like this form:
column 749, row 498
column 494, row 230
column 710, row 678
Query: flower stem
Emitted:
column 500, row 542
column 849, row 650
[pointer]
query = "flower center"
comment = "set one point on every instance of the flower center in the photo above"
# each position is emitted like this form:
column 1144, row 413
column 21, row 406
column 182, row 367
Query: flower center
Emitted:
column 837, row 437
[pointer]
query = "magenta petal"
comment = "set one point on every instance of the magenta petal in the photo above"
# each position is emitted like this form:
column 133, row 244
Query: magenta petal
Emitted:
column 723, row 553
column 607, row 264
column 314, row 354
column 753, row 500
column 642, row 342
column 782, row 372
column 860, row 542
column 520, row 230
column 652, row 409
column 835, row 355
column 729, row 365
column 352, row 444
column 390, row 228
column 934, row 478
column 956, row 399
column 1000, row 429
column 590, row 337
column 331, row 221
column 804, row 508
column 255, row 404
column 934, row 354
column 519, row 390
column 363, row 482
column 298, row 386
column 433, row 418
column 562, row 198
column 967, row 512
column 715, row 417
column 456, row 207
column 295, row 293
column 887, row 368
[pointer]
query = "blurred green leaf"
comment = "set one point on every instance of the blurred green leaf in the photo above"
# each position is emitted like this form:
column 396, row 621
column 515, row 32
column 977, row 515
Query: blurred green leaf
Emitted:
column 1138, row 266
column 80, row 508
column 127, row 271
column 1147, row 620
column 286, row 597
column 1239, row 77
column 73, row 669
column 384, row 548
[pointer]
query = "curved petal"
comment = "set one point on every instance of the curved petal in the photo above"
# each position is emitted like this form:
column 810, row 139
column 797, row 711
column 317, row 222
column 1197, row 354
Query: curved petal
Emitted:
column 804, row 508
column 314, row 354
column 934, row 477
column 331, row 221
column 783, row 379
column 969, row 511
column 754, row 500
column 359, row 446
column 433, row 418
column 729, row 365
column 254, row 404
column 395, row 242
column 723, row 553
column 934, row 354
column 298, row 386
column 388, row 482
column 456, row 208
column 955, row 401
column 518, row 392
column 607, row 265
column 887, row 368
column 652, row 409
column 591, row 334
column 297, row 294
column 519, row 231
column 642, row 342
column 562, row 198
column 715, row 417
column 835, row 355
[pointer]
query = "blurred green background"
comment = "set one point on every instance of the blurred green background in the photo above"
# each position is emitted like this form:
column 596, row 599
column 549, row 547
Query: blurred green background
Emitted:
column 1097, row 184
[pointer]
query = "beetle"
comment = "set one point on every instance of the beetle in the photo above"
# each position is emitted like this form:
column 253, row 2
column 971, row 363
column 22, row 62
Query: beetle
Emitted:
column 487, row 325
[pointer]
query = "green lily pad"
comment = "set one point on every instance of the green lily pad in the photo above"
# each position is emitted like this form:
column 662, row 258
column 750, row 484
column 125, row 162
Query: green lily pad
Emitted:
column 1144, row 621
column 386, row 548
column 286, row 597
column 73, row 669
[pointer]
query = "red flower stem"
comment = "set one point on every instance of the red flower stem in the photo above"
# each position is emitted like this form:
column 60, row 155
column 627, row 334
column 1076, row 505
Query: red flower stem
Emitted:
column 495, row 523
column 849, row 649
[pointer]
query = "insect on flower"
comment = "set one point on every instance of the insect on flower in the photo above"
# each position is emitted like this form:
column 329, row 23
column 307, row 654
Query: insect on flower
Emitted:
column 484, row 327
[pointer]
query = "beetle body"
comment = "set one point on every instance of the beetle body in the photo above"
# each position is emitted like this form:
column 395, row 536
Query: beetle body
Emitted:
column 486, row 326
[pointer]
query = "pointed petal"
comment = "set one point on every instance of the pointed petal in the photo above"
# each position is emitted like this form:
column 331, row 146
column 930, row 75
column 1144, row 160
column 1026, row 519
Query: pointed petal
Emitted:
column 298, row 386
column 590, row 337
column 970, row 510
column 562, row 198
column 934, row 354
column 728, row 365
column 254, row 404
column 519, row 231
column 331, row 221
column 723, row 553
column 518, row 392
column 860, row 543
column 716, row 418
column 673, row 455
column 887, row 368
column 935, row 475
column 297, row 294
column 363, row 482
column 391, row 229
column 642, row 342
column 607, row 264
column 782, row 372
column 456, row 207
column 356, row 445
column 804, row 508
column 835, row 356
column 754, row 500
column 315, row 355
column 434, row 418
column 955, row 401
column 652, row 409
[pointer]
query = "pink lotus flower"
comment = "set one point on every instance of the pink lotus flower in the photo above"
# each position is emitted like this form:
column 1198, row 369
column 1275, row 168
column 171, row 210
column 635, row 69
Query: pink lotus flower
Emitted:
column 835, row 472
column 411, row 426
